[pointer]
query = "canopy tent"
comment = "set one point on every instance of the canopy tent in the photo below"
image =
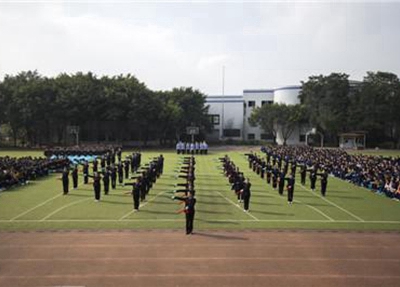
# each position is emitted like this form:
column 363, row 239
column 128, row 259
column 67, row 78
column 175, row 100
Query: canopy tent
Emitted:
column 353, row 140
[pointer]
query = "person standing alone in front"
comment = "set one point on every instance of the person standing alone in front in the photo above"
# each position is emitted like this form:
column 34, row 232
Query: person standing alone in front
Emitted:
column 189, row 210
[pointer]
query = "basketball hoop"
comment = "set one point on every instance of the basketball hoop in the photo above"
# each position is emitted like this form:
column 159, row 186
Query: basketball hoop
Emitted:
column 192, row 131
column 74, row 130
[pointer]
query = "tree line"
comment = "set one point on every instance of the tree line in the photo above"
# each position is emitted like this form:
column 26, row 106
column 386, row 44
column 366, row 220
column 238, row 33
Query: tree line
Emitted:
column 333, row 104
column 37, row 110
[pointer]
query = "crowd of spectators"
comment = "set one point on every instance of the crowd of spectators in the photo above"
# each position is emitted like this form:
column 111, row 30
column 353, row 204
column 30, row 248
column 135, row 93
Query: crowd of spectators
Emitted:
column 19, row 171
column 377, row 173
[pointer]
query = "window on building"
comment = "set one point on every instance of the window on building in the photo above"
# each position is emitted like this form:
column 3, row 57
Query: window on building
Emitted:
column 302, row 138
column 267, row 137
column 266, row 103
column 231, row 132
column 251, row 136
column 252, row 104
column 214, row 119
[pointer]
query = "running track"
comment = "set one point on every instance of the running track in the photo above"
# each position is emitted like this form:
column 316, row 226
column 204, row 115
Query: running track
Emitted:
column 207, row 258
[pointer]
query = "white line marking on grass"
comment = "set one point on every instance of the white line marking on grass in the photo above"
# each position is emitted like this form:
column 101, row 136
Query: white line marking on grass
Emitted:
column 142, row 205
column 63, row 207
column 309, row 206
column 319, row 211
column 332, row 203
column 215, row 220
column 39, row 205
column 248, row 213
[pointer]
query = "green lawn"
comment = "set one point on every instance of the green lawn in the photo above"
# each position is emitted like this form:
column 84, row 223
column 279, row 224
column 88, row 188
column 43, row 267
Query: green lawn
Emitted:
column 40, row 205
column 379, row 152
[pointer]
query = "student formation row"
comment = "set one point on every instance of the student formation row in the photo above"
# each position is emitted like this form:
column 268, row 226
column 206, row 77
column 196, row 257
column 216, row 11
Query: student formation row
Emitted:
column 105, row 175
column 379, row 174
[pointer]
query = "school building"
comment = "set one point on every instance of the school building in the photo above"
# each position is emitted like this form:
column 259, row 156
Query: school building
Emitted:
column 230, row 114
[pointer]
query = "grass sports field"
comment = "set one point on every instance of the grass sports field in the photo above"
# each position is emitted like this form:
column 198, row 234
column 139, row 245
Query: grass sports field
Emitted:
column 41, row 205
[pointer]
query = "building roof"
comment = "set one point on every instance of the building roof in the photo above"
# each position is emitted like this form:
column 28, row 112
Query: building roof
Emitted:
column 258, row 91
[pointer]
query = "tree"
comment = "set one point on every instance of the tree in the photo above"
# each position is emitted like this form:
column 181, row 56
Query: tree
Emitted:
column 266, row 117
column 278, row 118
column 376, row 107
column 326, row 101
column 289, row 117
column 20, row 96
column 191, row 103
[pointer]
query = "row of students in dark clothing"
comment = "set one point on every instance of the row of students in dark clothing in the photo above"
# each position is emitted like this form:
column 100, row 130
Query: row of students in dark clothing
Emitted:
column 145, row 179
column 379, row 174
column 83, row 150
column 19, row 171
column 276, row 173
column 106, row 171
column 187, row 191
column 239, row 184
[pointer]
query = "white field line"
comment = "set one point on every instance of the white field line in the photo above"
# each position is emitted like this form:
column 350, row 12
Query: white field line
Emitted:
column 141, row 205
column 320, row 212
column 248, row 213
column 63, row 207
column 215, row 220
column 334, row 204
column 309, row 206
column 39, row 205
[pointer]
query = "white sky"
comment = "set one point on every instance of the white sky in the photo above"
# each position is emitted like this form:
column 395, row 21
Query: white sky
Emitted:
column 166, row 45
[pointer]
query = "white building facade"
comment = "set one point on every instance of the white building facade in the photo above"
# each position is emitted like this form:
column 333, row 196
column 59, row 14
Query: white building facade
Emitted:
column 230, row 114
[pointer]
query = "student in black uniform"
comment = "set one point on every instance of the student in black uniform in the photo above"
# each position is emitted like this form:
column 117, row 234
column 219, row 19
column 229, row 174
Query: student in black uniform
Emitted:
column 237, row 186
column 281, row 182
column 126, row 168
column 303, row 174
column 75, row 177
column 290, row 188
column 106, row 181
column 96, row 185
column 313, row 178
column 136, row 191
column 120, row 173
column 95, row 165
column 324, row 182
column 275, row 174
column 269, row 172
column 246, row 193
column 113, row 174
column 85, row 171
column 103, row 162
column 65, row 180
column 189, row 211
column 263, row 167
